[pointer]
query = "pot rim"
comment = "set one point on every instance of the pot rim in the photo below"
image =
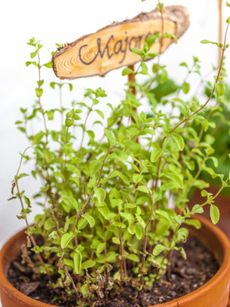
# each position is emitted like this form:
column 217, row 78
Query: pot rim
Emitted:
column 223, row 271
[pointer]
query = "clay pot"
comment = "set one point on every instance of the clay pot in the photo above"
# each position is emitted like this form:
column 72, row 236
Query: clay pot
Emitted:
column 213, row 294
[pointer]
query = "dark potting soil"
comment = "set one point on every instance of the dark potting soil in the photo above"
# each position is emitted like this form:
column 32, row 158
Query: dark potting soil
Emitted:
column 182, row 277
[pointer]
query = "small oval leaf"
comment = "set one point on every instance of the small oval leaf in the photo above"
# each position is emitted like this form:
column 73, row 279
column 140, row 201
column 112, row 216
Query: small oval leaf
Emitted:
column 214, row 214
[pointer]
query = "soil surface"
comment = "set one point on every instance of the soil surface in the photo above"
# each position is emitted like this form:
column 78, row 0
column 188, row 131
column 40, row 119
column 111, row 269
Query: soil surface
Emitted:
column 182, row 277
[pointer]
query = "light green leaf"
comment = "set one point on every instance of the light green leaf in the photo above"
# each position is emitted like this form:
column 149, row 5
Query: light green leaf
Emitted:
column 77, row 262
column 139, row 232
column 185, row 87
column 39, row 92
column 178, row 140
column 100, row 113
column 194, row 223
column 156, row 153
column 116, row 241
column 89, row 219
column 88, row 264
column 66, row 239
column 220, row 88
column 137, row 178
column 159, row 248
column 214, row 214
column 182, row 234
column 100, row 194
column 197, row 209
column 143, row 189
column 100, row 248
column 132, row 257
column 127, row 71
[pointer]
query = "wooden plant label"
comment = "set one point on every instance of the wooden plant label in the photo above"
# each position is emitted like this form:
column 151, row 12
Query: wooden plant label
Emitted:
column 110, row 47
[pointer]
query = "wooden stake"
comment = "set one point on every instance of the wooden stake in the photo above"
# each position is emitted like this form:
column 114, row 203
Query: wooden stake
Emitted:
column 132, row 80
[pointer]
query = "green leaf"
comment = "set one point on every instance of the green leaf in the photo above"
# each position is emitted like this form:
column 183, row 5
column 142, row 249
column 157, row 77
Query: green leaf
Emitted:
column 162, row 213
column 163, row 76
column 100, row 194
column 100, row 248
column 127, row 216
column 69, row 200
column 100, row 113
column 77, row 262
column 220, row 87
column 120, row 175
column 182, row 234
column 111, row 257
column 110, row 136
column 22, row 175
column 137, row 51
column 214, row 214
column 174, row 180
column 194, row 223
column 206, row 41
column 185, row 87
column 156, row 153
column 162, row 227
column 49, row 64
column 143, row 189
column 50, row 114
column 40, row 82
column 178, row 140
column 144, row 68
column 197, row 209
column 228, row 19
column 39, row 92
column 66, row 239
column 85, row 290
column 137, row 178
column 68, row 262
column 105, row 212
column 116, row 241
column 160, row 7
column 132, row 257
column 139, row 232
column 89, row 219
column 82, row 223
column 70, row 87
column 49, row 224
column 100, row 92
column 159, row 248
column 151, row 39
column 88, row 264
column 127, row 71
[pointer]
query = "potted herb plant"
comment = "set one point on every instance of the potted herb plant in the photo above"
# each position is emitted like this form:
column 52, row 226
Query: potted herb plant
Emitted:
column 115, row 222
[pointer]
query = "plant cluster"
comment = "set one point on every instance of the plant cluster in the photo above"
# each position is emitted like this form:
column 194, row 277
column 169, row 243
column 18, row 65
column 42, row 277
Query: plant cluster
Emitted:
column 115, row 207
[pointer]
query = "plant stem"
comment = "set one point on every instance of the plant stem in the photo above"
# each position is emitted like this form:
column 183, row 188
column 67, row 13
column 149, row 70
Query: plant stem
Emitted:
column 39, row 100
column 220, row 28
column 61, row 103
column 213, row 89
column 32, row 239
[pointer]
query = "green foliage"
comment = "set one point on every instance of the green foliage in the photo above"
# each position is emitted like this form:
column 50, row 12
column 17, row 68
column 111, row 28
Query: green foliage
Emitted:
column 106, row 200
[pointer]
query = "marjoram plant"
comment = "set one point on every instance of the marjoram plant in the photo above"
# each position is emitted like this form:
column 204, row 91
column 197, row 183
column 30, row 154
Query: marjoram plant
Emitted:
column 115, row 207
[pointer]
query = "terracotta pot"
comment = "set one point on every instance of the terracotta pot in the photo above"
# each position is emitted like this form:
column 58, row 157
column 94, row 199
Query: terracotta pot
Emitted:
column 213, row 294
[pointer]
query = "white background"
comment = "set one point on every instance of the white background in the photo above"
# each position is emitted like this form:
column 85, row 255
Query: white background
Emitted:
column 54, row 21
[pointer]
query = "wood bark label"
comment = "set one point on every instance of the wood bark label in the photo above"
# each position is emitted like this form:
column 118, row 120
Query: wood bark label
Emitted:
column 111, row 47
